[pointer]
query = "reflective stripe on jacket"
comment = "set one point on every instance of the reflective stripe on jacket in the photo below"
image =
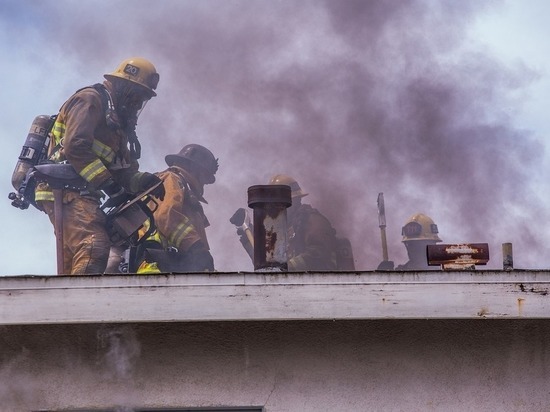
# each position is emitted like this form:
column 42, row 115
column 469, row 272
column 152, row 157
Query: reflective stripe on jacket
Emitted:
column 179, row 218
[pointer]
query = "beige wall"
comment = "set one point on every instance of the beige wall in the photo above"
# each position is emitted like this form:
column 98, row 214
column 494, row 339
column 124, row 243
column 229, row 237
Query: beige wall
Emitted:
column 369, row 365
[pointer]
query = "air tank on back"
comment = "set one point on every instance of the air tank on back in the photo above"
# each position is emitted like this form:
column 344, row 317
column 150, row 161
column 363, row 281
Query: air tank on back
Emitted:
column 34, row 148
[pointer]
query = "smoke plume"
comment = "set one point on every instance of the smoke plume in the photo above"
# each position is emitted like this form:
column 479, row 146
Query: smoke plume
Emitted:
column 350, row 97
column 119, row 352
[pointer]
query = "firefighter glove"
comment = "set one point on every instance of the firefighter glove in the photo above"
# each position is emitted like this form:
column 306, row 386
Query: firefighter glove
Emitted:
column 117, row 194
column 148, row 180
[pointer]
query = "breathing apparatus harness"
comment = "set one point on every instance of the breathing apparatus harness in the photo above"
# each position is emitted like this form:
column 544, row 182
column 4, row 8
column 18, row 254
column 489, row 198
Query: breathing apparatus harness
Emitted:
column 113, row 121
column 35, row 148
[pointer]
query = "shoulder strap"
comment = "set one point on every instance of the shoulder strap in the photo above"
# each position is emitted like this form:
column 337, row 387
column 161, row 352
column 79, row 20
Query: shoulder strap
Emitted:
column 106, row 102
column 111, row 118
column 108, row 105
column 105, row 96
column 106, row 99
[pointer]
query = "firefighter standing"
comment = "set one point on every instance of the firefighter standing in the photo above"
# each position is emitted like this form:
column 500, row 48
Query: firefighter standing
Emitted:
column 180, row 243
column 419, row 232
column 95, row 133
column 312, row 241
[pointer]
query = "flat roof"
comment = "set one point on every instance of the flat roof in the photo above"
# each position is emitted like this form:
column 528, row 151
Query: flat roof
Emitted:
column 253, row 296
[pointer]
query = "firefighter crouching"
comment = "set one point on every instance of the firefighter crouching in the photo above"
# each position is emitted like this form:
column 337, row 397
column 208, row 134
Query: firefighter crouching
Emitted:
column 179, row 243
column 312, row 241
column 94, row 132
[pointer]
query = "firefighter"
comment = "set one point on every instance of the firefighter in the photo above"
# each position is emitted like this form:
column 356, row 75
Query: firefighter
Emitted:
column 179, row 243
column 418, row 232
column 94, row 132
column 312, row 241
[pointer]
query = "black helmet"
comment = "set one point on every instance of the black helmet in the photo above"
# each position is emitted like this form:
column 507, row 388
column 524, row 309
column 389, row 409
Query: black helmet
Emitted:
column 199, row 156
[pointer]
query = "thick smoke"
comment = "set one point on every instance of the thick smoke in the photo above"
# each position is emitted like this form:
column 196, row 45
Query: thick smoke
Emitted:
column 352, row 98
column 17, row 388
column 119, row 353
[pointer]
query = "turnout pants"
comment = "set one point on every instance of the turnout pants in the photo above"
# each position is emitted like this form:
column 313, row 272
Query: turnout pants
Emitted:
column 86, row 243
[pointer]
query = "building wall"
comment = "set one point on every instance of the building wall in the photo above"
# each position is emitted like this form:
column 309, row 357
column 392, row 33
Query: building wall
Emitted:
column 351, row 365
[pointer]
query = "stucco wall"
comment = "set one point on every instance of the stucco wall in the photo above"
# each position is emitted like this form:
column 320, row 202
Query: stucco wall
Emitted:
column 369, row 365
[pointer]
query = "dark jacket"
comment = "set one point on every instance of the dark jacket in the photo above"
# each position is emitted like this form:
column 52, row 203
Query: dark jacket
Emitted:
column 311, row 241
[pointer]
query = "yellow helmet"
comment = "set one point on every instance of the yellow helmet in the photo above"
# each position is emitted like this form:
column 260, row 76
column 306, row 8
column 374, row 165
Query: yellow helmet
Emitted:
column 420, row 227
column 296, row 190
column 139, row 71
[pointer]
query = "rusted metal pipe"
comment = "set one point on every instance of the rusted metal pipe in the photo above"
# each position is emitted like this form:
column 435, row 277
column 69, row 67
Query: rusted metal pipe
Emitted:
column 269, row 203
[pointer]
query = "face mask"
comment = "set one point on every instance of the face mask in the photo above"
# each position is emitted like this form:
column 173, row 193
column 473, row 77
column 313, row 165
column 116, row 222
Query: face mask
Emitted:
column 130, row 103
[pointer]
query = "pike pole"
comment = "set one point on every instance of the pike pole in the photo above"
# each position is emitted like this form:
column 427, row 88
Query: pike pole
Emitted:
column 382, row 225
column 58, row 227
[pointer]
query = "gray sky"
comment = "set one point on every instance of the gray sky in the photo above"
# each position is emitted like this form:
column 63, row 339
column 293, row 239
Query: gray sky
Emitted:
column 438, row 104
